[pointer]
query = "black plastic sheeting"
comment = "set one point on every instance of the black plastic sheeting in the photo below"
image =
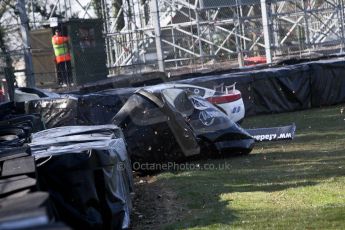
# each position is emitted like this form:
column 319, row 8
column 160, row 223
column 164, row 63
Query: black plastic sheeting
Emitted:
column 327, row 83
column 284, row 89
column 98, row 109
column 87, row 171
column 92, row 109
column 55, row 112
column 84, row 181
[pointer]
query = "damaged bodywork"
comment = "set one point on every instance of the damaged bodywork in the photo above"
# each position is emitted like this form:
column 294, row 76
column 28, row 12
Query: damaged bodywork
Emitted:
column 226, row 98
column 173, row 124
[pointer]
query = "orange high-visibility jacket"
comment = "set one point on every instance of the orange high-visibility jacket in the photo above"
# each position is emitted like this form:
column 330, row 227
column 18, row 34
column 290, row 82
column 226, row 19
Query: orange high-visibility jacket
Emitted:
column 60, row 45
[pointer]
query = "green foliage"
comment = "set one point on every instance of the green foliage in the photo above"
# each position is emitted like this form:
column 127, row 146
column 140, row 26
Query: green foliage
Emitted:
column 97, row 6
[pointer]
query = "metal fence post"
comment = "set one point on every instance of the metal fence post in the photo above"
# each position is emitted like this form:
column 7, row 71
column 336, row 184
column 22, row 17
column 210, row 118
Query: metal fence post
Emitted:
column 306, row 23
column 30, row 78
column 341, row 6
column 266, row 31
column 157, row 29
column 201, row 52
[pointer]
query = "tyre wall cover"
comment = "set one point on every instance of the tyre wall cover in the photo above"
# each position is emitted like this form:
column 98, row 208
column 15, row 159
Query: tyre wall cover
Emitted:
column 90, row 186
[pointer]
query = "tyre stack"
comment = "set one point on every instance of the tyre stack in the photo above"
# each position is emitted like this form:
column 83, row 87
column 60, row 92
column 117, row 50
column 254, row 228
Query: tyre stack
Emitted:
column 67, row 177
column 87, row 171
column 22, row 204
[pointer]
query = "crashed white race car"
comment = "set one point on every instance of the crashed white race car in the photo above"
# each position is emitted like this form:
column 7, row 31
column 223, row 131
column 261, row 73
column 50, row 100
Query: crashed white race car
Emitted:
column 227, row 98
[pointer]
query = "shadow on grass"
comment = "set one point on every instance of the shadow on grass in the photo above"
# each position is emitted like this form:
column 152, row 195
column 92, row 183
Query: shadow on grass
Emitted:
column 316, row 155
column 201, row 190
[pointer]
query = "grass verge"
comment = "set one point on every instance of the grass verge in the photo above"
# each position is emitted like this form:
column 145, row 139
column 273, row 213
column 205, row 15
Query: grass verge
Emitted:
column 280, row 185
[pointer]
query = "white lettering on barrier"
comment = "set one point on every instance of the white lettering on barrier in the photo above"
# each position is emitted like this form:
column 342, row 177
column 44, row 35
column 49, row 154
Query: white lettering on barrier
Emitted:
column 270, row 137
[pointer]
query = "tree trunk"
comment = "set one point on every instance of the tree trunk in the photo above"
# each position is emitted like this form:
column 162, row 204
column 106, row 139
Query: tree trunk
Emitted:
column 9, row 73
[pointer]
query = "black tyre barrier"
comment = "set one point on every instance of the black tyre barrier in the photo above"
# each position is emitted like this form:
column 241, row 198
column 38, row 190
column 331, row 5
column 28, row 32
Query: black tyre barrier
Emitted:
column 16, row 129
column 22, row 205
column 88, row 190
column 88, row 174
column 284, row 89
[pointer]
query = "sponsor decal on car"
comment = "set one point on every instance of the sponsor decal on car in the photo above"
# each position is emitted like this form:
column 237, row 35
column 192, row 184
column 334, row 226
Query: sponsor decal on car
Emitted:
column 199, row 104
column 207, row 117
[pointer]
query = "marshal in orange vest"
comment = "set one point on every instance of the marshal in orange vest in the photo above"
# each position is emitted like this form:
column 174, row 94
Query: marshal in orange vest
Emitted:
column 60, row 45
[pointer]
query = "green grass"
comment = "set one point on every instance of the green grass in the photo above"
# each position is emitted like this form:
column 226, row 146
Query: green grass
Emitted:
column 280, row 185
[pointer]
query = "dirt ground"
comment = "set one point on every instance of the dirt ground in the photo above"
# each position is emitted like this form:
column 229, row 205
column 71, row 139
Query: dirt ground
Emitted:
column 154, row 205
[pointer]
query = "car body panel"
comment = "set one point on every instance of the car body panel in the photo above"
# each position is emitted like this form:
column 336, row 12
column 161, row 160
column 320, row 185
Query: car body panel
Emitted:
column 172, row 124
column 229, row 99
